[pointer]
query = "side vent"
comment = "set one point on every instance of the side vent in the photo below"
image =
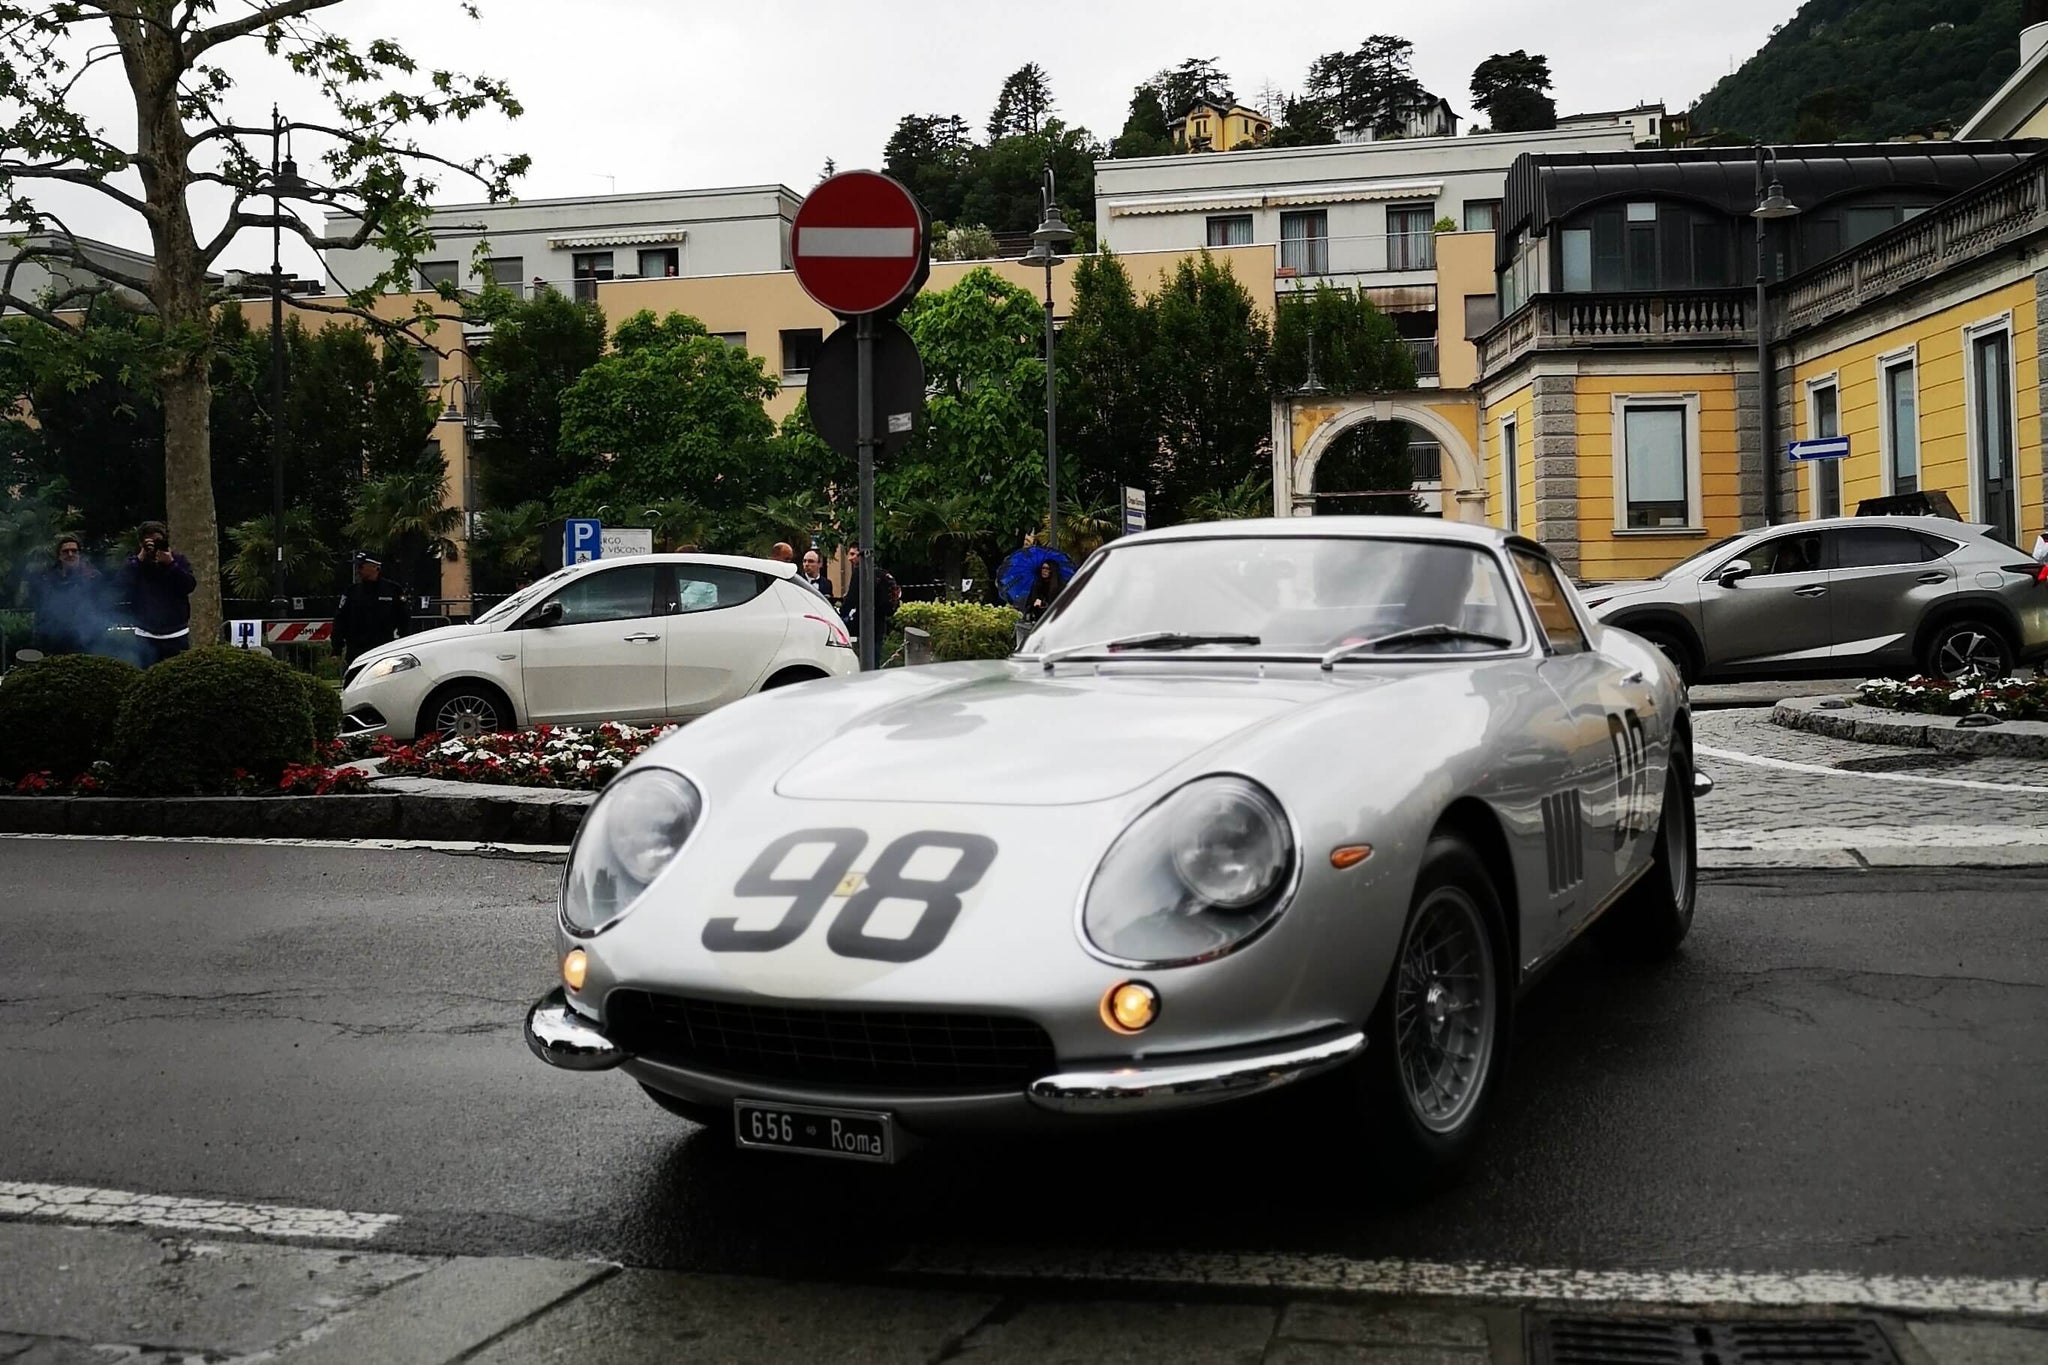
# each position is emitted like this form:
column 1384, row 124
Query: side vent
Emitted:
column 1564, row 840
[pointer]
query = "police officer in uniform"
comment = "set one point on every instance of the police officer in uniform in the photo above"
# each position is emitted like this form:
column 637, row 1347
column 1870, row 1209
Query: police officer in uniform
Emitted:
column 372, row 612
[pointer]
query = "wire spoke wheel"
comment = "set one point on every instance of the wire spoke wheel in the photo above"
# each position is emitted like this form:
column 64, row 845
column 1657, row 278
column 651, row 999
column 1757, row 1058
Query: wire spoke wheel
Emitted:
column 466, row 715
column 1445, row 1010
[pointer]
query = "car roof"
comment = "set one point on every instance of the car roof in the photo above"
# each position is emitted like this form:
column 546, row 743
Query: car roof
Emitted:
column 1937, row 525
column 768, row 566
column 1369, row 528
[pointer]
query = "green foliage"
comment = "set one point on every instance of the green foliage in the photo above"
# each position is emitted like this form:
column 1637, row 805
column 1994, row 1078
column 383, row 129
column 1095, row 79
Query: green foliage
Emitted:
column 969, row 242
column 1513, row 90
column 1023, row 105
column 537, row 349
column 1371, row 457
column 1251, row 496
column 962, row 630
column 307, row 557
column 58, row 716
column 1147, row 131
column 1004, row 191
column 30, row 523
column 932, row 154
column 508, row 546
column 1109, row 431
column 403, row 519
column 1210, row 348
column 1891, row 67
column 1357, row 349
column 1372, row 89
column 191, row 722
column 323, row 706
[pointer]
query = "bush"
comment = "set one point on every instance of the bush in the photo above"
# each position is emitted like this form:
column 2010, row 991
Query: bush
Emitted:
column 323, row 703
column 58, row 716
column 961, row 630
column 212, row 719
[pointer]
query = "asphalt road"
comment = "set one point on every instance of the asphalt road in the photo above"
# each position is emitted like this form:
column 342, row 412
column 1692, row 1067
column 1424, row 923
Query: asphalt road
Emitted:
column 1842, row 1072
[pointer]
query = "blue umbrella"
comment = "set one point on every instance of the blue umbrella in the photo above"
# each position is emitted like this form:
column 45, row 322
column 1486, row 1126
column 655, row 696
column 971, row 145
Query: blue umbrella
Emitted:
column 1021, row 568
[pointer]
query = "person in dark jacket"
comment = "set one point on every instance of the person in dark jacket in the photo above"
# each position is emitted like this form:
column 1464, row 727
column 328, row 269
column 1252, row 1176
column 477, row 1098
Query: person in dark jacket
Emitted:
column 157, row 584
column 888, row 596
column 1045, row 590
column 69, row 602
column 813, row 575
column 372, row 612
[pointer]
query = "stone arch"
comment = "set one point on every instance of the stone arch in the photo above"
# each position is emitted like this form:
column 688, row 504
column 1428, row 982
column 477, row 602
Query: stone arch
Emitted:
column 1464, row 481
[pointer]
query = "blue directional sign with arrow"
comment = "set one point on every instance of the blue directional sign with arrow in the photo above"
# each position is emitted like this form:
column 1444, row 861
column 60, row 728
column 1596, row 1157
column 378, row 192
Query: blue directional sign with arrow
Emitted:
column 1819, row 448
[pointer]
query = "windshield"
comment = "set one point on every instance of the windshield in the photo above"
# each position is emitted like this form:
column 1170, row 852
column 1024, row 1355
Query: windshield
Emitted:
column 520, row 600
column 1693, row 561
column 1295, row 594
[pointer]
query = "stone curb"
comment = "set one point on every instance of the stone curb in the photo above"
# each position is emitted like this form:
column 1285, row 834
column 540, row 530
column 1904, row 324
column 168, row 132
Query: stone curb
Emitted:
column 1839, row 718
column 453, row 810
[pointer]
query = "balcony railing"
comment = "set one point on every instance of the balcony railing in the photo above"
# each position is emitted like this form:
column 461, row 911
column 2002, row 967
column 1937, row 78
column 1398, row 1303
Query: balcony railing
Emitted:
column 1425, row 356
column 1564, row 322
column 1997, row 212
column 1309, row 257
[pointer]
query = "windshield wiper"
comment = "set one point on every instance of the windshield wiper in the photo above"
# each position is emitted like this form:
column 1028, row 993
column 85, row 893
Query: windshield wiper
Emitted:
column 1437, row 631
column 1161, row 640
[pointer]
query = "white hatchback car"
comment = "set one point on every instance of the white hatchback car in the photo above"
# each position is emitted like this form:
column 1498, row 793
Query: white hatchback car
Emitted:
column 651, row 639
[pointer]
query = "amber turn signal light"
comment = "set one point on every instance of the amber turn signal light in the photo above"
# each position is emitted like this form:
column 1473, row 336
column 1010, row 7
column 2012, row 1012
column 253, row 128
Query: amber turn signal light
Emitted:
column 1130, row 1007
column 1350, row 855
column 574, row 967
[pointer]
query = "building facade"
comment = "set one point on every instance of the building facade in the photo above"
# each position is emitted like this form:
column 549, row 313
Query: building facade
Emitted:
column 34, row 275
column 1220, row 126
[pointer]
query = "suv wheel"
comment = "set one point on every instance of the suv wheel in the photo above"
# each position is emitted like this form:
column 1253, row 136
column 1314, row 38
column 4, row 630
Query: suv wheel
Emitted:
column 1958, row 648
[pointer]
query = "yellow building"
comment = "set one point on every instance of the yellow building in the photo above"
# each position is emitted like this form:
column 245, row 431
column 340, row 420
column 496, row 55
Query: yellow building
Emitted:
column 1220, row 126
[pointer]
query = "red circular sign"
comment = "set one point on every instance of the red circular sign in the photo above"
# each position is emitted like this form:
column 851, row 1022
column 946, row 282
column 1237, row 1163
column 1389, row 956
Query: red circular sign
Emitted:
column 859, row 243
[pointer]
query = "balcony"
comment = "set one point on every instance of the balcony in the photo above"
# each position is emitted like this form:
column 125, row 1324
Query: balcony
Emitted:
column 1425, row 356
column 1312, row 257
column 1577, row 322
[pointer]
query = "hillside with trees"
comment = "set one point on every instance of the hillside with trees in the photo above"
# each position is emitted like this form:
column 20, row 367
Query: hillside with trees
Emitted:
column 1853, row 70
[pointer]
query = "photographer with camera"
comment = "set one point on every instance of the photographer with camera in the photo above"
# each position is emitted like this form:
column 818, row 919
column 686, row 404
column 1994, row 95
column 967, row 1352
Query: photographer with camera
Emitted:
column 157, row 583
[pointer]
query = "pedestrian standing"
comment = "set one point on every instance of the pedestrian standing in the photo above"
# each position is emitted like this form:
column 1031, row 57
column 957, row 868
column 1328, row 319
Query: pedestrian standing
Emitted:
column 372, row 612
column 69, row 602
column 1045, row 590
column 157, row 584
column 813, row 574
column 887, row 595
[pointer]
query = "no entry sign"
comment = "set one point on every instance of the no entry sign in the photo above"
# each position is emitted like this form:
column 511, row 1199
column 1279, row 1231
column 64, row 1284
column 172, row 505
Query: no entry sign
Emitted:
column 860, row 244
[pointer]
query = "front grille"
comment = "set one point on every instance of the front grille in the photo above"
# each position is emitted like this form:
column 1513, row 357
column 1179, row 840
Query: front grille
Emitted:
column 1585, row 1340
column 866, row 1049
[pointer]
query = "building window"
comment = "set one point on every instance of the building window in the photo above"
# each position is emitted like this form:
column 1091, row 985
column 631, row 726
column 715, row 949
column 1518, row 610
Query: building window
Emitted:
column 1656, row 466
column 1899, row 381
column 587, row 269
column 1482, row 315
column 1511, row 472
column 800, row 351
column 1644, row 246
column 430, row 367
column 1411, row 238
column 1824, row 418
column 507, row 272
column 1305, row 242
column 660, row 263
column 434, row 274
column 1482, row 215
column 1234, row 230
column 1991, row 431
column 736, row 340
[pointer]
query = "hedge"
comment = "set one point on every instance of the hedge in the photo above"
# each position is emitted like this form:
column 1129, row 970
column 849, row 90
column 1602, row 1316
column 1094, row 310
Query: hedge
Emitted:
column 323, row 703
column 58, row 716
column 205, row 720
column 960, row 630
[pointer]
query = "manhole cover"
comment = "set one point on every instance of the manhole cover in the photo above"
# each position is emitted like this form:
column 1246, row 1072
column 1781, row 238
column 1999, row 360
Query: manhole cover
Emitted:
column 1905, row 763
column 1676, row 1341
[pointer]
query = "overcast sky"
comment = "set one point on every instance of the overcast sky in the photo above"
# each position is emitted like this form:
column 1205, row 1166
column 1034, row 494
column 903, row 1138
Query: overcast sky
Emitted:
column 673, row 94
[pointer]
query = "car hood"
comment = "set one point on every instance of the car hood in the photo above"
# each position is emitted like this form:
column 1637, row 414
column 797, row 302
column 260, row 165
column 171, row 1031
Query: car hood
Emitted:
column 408, row 643
column 1600, row 593
column 1021, row 737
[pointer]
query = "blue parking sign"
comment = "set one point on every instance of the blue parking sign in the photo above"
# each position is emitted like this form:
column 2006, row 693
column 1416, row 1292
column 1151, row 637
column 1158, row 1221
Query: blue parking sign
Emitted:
column 582, row 540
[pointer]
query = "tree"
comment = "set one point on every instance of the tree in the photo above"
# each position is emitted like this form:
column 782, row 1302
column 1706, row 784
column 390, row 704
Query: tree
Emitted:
column 1146, row 130
column 404, row 518
column 969, row 242
column 176, row 57
column 1197, row 78
column 308, row 560
column 673, row 411
column 401, row 417
column 1109, row 436
column 1251, row 496
column 1357, row 347
column 1023, row 105
column 1829, row 115
column 1371, row 457
column 933, row 155
column 1005, row 192
column 1303, row 123
column 1513, row 90
column 1370, row 90
column 507, row 546
column 1210, row 348
column 538, row 347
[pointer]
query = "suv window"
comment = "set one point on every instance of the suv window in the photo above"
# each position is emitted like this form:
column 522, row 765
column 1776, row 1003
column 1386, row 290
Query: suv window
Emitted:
column 1786, row 554
column 711, row 587
column 622, row 594
column 1875, row 546
column 1552, row 600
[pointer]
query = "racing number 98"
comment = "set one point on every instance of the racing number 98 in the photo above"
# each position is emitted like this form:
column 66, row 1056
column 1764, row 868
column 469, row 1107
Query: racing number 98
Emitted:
column 937, row 897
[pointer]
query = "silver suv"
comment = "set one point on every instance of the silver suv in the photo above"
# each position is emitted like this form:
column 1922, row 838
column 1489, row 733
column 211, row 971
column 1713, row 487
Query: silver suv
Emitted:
column 1848, row 596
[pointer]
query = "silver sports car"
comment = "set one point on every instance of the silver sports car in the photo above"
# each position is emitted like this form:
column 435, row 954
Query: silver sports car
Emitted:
column 1256, row 802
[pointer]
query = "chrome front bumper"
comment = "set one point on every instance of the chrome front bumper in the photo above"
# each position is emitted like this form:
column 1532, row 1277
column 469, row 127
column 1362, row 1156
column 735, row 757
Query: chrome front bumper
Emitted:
column 561, row 1037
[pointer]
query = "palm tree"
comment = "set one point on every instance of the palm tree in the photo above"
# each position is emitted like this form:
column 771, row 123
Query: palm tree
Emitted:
column 1083, row 528
column 679, row 522
column 29, row 525
column 1251, row 496
column 406, row 516
column 509, row 542
column 796, row 518
column 948, row 524
column 255, row 554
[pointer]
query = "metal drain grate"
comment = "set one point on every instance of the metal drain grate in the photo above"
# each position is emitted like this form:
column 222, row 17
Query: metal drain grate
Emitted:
column 1559, row 1340
column 1905, row 763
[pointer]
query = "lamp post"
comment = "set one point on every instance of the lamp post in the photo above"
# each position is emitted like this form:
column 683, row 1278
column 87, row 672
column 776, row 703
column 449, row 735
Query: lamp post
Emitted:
column 284, row 178
column 1771, row 205
column 1052, row 233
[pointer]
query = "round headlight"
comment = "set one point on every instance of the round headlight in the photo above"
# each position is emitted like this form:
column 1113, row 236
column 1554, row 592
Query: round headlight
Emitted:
column 1194, row 877
column 633, row 832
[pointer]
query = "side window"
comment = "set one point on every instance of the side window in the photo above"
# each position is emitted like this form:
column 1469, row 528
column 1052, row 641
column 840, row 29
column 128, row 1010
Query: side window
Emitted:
column 622, row 594
column 710, row 587
column 1552, row 600
column 1876, row 546
column 1786, row 554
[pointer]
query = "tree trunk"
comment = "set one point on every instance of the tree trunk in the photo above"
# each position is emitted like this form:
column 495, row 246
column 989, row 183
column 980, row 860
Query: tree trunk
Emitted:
column 188, row 491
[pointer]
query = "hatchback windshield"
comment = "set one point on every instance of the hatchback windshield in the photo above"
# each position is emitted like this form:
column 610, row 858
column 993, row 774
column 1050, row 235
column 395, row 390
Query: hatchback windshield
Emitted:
column 1295, row 594
column 530, row 593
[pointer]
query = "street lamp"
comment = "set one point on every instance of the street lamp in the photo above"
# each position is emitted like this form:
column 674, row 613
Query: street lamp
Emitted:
column 284, row 179
column 1052, row 234
column 1772, row 205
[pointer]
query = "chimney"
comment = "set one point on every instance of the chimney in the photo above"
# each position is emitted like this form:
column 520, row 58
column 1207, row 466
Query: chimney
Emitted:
column 2033, row 30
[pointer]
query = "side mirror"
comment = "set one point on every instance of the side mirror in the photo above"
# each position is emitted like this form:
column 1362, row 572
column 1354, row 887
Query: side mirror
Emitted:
column 550, row 614
column 1734, row 572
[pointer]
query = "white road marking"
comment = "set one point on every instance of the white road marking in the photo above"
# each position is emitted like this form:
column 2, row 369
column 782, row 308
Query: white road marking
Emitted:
column 1822, row 770
column 1483, row 1281
column 82, row 1204
column 873, row 243
column 1826, row 837
column 392, row 845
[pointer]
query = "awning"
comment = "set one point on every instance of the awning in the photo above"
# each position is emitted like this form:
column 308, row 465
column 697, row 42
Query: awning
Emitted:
column 637, row 237
column 1281, row 196
column 1402, row 298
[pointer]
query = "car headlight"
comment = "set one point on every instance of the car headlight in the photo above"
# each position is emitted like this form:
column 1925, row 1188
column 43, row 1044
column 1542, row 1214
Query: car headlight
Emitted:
column 396, row 663
column 633, row 832
column 1197, row 875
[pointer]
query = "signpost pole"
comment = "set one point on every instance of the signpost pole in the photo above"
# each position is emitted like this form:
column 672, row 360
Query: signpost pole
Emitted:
column 864, row 432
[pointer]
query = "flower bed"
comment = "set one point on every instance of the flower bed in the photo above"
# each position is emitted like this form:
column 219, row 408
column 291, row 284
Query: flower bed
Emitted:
column 298, row 779
column 572, row 760
column 2006, row 698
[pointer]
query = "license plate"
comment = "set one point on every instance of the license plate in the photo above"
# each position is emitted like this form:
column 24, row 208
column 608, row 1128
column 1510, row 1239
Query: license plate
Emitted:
column 857, row 1135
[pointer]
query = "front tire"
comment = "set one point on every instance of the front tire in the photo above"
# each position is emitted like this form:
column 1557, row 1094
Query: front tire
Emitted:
column 464, row 710
column 1653, row 917
column 1958, row 648
column 1438, row 1038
